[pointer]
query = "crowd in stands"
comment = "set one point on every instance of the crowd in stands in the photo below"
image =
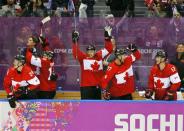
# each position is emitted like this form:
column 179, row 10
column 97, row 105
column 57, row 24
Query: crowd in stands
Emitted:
column 85, row 8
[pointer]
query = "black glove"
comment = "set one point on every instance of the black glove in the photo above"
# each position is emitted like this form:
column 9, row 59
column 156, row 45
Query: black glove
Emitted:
column 11, row 100
column 53, row 76
column 148, row 94
column 35, row 38
column 22, row 50
column 75, row 36
column 43, row 41
column 34, row 52
column 107, row 32
column 132, row 47
column 106, row 95
column 22, row 90
column 169, row 96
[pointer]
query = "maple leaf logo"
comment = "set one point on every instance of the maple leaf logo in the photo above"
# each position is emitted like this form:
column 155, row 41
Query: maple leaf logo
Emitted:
column 159, row 84
column 126, row 77
column 95, row 66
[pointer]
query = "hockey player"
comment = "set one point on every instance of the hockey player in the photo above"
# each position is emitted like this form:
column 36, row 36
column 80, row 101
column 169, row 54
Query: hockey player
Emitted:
column 47, row 77
column 31, row 48
column 164, row 80
column 20, row 82
column 91, row 65
column 118, row 82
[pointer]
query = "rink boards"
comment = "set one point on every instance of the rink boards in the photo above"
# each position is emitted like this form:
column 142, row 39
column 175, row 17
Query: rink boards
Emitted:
column 76, row 115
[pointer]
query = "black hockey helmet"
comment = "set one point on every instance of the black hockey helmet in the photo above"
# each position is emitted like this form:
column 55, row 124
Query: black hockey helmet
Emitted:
column 48, row 54
column 20, row 58
column 162, row 54
column 90, row 47
column 120, row 52
column 35, row 38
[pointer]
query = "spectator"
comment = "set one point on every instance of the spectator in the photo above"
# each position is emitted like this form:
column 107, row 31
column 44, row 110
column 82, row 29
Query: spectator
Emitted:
column 63, row 8
column 86, row 10
column 181, row 7
column 59, row 4
column 156, row 11
column 117, row 26
column 176, row 27
column 120, row 7
column 21, row 39
column 90, row 4
column 1, row 3
column 153, row 42
column 175, row 6
column 10, row 9
column 35, row 8
column 179, row 62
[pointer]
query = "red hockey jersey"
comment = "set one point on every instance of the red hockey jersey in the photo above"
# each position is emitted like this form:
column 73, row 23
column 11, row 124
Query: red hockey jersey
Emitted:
column 46, row 69
column 91, row 68
column 13, row 79
column 162, row 81
column 35, row 69
column 121, row 77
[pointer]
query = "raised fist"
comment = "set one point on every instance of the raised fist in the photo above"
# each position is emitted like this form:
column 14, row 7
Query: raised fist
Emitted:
column 107, row 32
column 75, row 36
column 132, row 47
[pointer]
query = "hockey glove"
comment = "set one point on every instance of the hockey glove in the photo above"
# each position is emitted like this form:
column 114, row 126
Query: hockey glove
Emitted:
column 169, row 96
column 75, row 36
column 132, row 47
column 106, row 95
column 148, row 94
column 11, row 100
column 43, row 41
column 53, row 76
column 22, row 90
column 107, row 32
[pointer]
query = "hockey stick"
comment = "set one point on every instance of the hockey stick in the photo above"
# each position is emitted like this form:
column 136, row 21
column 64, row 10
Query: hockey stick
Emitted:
column 43, row 21
column 75, row 27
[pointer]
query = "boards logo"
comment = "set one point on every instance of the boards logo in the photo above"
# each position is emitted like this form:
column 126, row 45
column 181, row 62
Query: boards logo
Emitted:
column 151, row 122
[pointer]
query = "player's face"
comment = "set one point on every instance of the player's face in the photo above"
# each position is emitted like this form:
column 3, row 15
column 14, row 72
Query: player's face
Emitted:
column 30, row 42
column 159, row 60
column 47, row 57
column 17, row 64
column 91, row 53
column 123, row 57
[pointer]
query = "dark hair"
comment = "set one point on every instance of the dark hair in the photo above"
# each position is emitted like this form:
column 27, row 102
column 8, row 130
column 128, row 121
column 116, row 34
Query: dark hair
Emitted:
column 182, row 56
column 35, row 39
column 179, row 43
